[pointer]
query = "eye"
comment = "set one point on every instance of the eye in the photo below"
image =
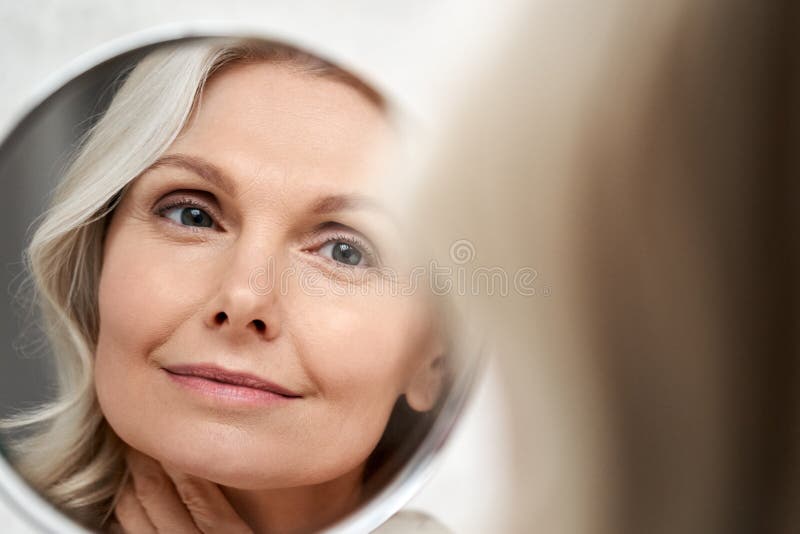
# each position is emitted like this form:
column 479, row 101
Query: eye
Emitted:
column 192, row 217
column 187, row 213
column 347, row 250
column 342, row 252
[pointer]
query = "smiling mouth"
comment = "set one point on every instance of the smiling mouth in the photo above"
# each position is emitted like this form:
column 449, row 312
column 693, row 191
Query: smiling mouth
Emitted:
column 222, row 382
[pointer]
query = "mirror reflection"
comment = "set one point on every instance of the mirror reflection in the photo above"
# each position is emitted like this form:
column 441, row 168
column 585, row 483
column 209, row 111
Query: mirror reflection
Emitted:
column 219, row 283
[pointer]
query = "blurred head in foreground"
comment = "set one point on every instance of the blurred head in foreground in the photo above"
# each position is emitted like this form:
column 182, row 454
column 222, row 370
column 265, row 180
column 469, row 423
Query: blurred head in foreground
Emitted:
column 642, row 160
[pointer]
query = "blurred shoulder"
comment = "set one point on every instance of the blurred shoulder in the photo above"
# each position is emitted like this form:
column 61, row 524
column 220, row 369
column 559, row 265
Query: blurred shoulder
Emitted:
column 406, row 521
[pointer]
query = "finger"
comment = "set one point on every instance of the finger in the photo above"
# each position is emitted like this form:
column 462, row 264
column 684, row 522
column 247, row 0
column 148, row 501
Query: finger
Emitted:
column 158, row 496
column 208, row 506
column 130, row 514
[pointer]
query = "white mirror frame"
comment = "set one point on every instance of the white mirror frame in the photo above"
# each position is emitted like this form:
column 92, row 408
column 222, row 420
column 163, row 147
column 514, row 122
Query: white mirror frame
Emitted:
column 34, row 508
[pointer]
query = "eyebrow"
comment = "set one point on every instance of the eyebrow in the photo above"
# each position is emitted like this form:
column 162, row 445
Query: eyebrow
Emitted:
column 334, row 203
column 213, row 174
column 203, row 169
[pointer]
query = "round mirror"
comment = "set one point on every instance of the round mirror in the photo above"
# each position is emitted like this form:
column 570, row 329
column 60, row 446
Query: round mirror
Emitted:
column 217, row 317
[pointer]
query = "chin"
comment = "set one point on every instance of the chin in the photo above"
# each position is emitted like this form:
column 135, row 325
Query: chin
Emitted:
column 237, row 476
column 257, row 474
column 232, row 464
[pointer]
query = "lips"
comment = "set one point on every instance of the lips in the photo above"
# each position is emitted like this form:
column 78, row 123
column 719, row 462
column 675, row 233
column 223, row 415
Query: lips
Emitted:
column 225, row 376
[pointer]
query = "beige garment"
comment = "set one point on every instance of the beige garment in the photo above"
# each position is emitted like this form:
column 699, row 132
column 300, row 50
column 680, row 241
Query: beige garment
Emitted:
column 411, row 521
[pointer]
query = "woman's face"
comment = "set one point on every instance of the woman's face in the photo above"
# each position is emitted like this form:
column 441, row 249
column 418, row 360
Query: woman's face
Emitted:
column 247, row 248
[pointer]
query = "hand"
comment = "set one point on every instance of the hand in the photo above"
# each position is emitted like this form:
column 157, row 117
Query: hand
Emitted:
column 157, row 499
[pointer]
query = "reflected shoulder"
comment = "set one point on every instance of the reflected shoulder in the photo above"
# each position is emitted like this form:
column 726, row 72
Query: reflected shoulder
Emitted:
column 406, row 521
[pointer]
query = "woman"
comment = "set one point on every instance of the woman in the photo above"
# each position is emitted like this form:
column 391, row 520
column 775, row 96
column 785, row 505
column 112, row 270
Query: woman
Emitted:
column 212, row 273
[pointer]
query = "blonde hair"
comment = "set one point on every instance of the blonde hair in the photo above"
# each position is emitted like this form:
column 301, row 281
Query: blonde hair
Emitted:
column 69, row 452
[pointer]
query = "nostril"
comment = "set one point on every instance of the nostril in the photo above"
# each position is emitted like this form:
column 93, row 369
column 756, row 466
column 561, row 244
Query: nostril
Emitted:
column 260, row 326
column 220, row 318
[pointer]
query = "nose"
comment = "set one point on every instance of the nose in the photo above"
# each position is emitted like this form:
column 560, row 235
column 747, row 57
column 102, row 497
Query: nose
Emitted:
column 245, row 305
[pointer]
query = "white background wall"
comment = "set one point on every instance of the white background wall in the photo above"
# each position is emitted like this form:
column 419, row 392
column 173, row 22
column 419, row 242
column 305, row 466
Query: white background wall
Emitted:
column 419, row 49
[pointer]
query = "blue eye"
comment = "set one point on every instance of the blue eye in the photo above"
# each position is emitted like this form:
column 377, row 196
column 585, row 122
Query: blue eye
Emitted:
column 188, row 215
column 342, row 252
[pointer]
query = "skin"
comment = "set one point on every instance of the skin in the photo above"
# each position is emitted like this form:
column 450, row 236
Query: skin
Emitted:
column 177, row 293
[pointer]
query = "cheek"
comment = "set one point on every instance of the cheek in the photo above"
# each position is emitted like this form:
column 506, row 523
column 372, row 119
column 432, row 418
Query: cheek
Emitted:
column 359, row 350
column 135, row 299
column 141, row 297
column 147, row 289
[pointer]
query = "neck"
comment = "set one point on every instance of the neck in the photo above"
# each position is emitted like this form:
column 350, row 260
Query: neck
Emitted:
column 299, row 509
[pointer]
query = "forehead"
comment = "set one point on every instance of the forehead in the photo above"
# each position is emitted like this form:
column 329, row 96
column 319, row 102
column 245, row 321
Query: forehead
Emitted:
column 273, row 119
